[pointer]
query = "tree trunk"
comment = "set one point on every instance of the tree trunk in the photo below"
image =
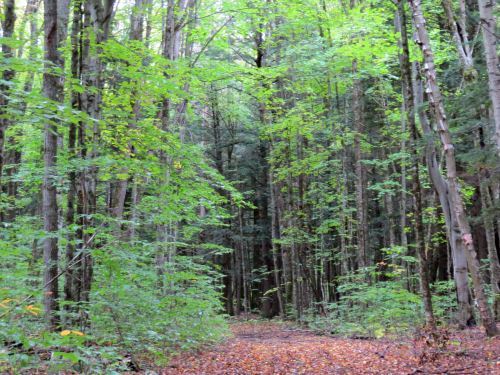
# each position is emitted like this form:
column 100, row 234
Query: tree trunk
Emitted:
column 408, row 97
column 55, row 25
column 97, row 15
column 435, row 101
column 135, row 34
column 71, row 283
column 8, row 22
column 459, row 33
column 360, row 194
column 460, row 275
column 275, row 235
column 488, row 28
column 489, row 229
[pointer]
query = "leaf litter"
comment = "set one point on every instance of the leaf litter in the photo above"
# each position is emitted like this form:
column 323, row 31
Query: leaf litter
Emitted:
column 273, row 348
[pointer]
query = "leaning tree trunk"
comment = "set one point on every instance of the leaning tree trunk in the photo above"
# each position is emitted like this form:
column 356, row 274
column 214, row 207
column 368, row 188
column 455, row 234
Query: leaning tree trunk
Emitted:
column 408, row 98
column 56, row 22
column 459, row 32
column 464, row 299
column 436, row 103
column 488, row 25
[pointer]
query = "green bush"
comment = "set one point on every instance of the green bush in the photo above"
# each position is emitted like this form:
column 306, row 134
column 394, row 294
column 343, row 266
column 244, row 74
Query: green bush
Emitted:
column 133, row 309
column 383, row 308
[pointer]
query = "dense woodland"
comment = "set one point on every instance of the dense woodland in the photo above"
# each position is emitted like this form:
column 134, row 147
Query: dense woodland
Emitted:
column 165, row 164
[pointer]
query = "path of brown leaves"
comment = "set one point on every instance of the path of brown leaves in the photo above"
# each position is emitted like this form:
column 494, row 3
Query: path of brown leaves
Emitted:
column 270, row 348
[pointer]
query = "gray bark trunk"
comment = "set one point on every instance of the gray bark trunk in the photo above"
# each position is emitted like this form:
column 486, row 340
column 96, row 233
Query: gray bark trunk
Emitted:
column 488, row 28
column 408, row 98
column 465, row 314
column 436, row 103
column 459, row 33
column 489, row 228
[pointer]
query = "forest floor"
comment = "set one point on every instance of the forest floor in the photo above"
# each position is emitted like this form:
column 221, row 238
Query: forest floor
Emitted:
column 274, row 348
column 267, row 347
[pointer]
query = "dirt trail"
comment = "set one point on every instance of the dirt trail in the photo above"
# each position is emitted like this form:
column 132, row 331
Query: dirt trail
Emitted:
column 267, row 348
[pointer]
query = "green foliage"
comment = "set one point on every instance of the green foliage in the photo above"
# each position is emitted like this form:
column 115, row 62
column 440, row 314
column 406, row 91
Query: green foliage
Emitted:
column 381, row 309
column 443, row 301
column 288, row 115
column 178, row 306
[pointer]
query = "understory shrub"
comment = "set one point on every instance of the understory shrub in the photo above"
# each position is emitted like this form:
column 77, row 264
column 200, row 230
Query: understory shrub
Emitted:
column 136, row 309
column 382, row 308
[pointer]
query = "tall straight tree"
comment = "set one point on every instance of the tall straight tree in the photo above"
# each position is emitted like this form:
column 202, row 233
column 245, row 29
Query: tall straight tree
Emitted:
column 436, row 103
column 72, row 280
column 95, row 29
column 362, row 220
column 55, row 26
column 488, row 29
column 8, row 22
column 408, row 98
column 135, row 34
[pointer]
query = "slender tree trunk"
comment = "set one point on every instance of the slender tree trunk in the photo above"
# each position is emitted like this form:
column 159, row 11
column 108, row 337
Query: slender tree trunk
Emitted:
column 459, row 33
column 345, row 219
column 489, row 229
column 97, row 16
column 346, row 223
column 15, row 157
column 408, row 98
column 360, row 195
column 243, row 255
column 460, row 274
column 436, row 104
column 135, row 34
column 8, row 22
column 402, row 202
column 488, row 28
column 55, row 24
column 275, row 235
column 71, row 283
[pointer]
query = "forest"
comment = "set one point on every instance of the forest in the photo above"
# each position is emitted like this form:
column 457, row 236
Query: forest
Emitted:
column 171, row 167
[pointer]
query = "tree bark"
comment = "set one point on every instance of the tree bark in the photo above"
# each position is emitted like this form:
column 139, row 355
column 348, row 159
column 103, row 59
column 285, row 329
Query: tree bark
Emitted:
column 8, row 22
column 275, row 235
column 71, row 281
column 464, row 298
column 459, row 33
column 436, row 103
column 408, row 97
column 55, row 24
column 97, row 15
column 488, row 28
column 135, row 34
column 489, row 228
column 361, row 223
